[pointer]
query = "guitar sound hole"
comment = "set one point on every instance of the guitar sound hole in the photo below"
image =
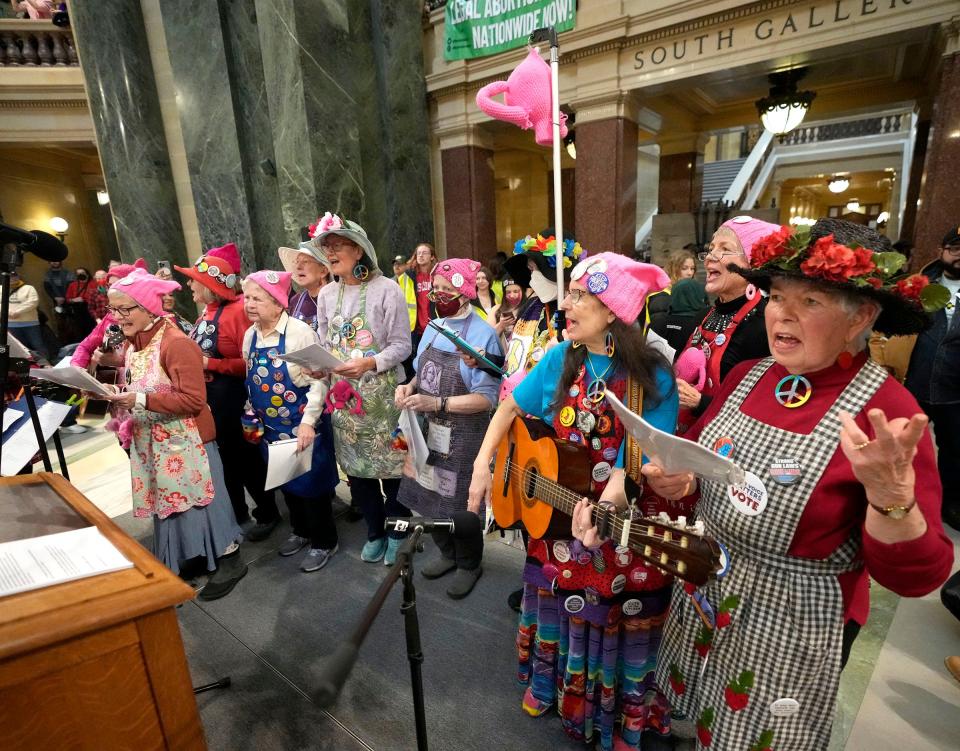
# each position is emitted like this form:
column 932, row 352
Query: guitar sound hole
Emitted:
column 529, row 483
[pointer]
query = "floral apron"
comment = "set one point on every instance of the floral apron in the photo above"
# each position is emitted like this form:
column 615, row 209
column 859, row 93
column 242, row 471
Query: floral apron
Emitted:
column 364, row 442
column 279, row 403
column 766, row 676
column 168, row 463
column 448, row 474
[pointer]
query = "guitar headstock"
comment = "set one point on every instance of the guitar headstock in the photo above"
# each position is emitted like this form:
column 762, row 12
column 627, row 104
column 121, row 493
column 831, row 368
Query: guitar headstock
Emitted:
column 676, row 547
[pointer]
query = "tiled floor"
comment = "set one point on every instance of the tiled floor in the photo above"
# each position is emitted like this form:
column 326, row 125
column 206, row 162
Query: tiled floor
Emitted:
column 895, row 692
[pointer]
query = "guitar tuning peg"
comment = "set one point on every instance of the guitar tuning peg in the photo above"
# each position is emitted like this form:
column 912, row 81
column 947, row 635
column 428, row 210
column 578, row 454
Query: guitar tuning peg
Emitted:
column 699, row 527
column 681, row 521
column 664, row 517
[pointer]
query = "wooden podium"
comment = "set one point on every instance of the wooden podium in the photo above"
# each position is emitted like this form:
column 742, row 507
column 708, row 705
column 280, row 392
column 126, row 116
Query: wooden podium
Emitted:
column 95, row 663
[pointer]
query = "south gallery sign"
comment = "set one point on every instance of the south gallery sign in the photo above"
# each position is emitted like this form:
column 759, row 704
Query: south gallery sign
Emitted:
column 766, row 31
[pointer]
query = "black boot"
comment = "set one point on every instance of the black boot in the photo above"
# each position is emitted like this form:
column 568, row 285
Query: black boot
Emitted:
column 231, row 569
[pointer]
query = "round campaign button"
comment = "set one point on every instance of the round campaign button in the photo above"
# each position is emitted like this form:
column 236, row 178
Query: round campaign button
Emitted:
column 597, row 266
column 638, row 575
column 750, row 499
column 291, row 397
column 574, row 604
column 457, row 280
column 356, row 353
column 283, row 412
column 276, row 401
column 271, row 276
column 610, row 453
column 206, row 344
column 271, row 412
column 364, row 338
column 561, row 551
column 784, row 707
column 786, row 471
column 357, row 322
column 595, row 443
column 278, row 388
column 278, row 376
column 597, row 283
column 624, row 556
column 256, row 380
column 724, row 446
column 276, row 362
column 272, row 352
column 579, row 270
column 202, row 327
column 574, row 390
column 265, row 388
column 575, row 437
column 348, row 331
column 601, row 471
column 567, row 573
column 335, row 339
column 742, row 219
column 586, row 421
column 284, row 436
column 211, row 329
column 719, row 339
column 262, row 371
column 618, row 584
column 336, row 321
column 632, row 607
column 567, row 416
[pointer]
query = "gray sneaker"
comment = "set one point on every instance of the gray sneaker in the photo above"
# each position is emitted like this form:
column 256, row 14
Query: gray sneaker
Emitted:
column 316, row 559
column 293, row 545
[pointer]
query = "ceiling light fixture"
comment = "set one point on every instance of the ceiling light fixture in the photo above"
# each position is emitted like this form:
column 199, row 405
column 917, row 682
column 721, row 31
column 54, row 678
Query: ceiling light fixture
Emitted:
column 785, row 107
column 853, row 205
column 838, row 184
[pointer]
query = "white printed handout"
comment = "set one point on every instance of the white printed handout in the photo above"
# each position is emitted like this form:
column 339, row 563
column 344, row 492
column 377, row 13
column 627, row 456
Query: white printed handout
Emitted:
column 675, row 454
column 73, row 377
column 20, row 445
column 416, row 445
column 284, row 463
column 312, row 357
column 53, row 559
column 17, row 349
column 10, row 416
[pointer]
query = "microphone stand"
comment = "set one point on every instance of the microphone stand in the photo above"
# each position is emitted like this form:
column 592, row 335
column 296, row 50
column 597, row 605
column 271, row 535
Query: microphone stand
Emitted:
column 338, row 665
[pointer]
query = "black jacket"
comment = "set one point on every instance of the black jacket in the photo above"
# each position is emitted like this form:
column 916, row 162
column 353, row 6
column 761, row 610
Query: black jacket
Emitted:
column 934, row 372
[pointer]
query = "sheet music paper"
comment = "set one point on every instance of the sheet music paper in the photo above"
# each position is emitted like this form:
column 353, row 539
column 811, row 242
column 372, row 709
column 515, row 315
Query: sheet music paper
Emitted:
column 10, row 416
column 416, row 443
column 20, row 442
column 675, row 454
column 73, row 377
column 312, row 357
column 17, row 349
column 53, row 559
column 285, row 464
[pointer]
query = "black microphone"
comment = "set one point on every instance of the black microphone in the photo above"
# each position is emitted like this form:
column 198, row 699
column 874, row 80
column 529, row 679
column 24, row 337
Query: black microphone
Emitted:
column 42, row 245
column 461, row 524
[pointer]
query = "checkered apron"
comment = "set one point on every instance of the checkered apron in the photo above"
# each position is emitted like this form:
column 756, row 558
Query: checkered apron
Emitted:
column 785, row 626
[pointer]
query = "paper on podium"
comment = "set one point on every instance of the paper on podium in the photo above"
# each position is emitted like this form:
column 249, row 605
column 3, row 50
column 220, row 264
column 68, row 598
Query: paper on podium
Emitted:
column 10, row 416
column 675, row 454
column 53, row 559
column 17, row 349
column 74, row 377
column 20, row 443
column 285, row 464
column 313, row 357
column 416, row 444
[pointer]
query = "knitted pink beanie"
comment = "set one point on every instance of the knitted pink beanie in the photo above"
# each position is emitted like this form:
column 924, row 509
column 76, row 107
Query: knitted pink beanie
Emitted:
column 121, row 270
column 146, row 289
column 621, row 283
column 749, row 230
column 461, row 273
column 274, row 283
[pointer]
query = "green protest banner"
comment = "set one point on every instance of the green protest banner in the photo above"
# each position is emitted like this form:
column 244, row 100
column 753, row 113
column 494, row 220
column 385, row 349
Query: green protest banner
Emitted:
column 477, row 28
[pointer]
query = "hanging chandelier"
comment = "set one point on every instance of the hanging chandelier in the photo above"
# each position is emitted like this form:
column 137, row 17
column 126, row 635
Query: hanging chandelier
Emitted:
column 785, row 107
column 838, row 184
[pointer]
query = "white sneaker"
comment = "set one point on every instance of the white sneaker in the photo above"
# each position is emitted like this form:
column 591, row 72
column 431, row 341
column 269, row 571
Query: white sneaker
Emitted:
column 76, row 428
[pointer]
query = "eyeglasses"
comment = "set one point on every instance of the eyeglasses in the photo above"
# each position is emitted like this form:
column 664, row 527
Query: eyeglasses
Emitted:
column 339, row 247
column 953, row 250
column 442, row 297
column 122, row 312
column 711, row 255
column 576, row 295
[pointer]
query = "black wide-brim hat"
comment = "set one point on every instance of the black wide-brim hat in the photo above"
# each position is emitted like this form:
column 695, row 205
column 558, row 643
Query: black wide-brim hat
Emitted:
column 898, row 316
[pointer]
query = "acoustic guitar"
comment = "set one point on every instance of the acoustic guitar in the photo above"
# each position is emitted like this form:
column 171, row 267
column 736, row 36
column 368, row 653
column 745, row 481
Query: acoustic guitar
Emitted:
column 538, row 480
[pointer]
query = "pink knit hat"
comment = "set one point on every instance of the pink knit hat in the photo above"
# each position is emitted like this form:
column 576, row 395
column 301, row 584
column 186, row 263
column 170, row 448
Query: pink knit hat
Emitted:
column 274, row 283
column 621, row 283
column 146, row 289
column 461, row 273
column 749, row 230
column 121, row 270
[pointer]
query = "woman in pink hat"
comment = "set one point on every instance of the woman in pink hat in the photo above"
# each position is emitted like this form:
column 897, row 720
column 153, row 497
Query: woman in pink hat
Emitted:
column 161, row 414
column 590, row 619
column 219, row 331
column 288, row 404
column 456, row 401
column 733, row 329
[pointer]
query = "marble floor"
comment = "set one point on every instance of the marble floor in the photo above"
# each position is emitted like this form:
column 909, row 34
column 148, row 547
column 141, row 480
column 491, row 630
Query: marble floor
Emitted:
column 895, row 693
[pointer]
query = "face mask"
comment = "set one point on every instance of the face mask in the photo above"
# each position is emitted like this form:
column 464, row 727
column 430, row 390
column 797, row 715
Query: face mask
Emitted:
column 448, row 306
column 82, row 277
column 543, row 288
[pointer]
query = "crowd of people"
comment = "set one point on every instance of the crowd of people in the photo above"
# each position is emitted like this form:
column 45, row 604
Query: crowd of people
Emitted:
column 766, row 363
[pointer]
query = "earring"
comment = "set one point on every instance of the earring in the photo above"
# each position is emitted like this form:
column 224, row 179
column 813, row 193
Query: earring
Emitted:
column 845, row 360
column 751, row 292
column 610, row 346
column 575, row 344
column 361, row 272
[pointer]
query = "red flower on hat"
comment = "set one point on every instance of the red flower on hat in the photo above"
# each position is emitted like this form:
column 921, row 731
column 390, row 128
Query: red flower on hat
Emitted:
column 911, row 287
column 771, row 247
column 837, row 263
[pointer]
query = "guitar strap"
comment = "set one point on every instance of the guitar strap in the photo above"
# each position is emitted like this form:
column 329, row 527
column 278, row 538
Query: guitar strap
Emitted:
column 633, row 455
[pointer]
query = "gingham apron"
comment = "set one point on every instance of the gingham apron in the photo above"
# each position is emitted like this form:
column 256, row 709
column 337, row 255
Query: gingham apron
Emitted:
column 785, row 634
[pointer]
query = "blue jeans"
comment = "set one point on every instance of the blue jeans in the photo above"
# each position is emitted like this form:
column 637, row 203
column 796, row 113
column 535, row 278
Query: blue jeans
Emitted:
column 30, row 337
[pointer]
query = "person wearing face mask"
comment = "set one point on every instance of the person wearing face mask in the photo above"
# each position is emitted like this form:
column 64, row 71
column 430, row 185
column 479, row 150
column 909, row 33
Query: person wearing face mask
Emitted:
column 456, row 400
column 363, row 321
column 76, row 310
column 534, row 265
column 733, row 329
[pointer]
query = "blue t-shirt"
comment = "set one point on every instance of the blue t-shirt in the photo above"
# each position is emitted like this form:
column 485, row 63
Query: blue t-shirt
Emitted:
column 535, row 392
column 480, row 335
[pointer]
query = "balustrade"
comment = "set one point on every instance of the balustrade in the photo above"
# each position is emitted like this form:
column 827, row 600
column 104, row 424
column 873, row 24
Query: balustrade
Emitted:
column 867, row 126
column 36, row 43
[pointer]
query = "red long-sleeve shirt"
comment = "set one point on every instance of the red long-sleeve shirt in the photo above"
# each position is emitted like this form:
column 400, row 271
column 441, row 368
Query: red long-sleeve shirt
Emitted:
column 231, row 326
column 838, row 505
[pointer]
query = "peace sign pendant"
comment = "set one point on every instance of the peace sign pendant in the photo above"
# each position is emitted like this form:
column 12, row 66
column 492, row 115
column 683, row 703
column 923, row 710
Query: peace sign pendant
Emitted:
column 596, row 391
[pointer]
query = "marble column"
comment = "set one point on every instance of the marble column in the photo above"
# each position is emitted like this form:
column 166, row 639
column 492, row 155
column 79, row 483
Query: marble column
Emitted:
column 122, row 96
column 681, row 182
column 469, row 205
column 606, row 184
column 939, row 208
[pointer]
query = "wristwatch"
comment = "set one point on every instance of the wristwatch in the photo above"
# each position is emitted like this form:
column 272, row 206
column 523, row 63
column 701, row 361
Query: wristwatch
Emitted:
column 894, row 511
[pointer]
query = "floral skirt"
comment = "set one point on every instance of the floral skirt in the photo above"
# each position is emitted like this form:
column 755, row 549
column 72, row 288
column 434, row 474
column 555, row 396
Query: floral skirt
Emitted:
column 598, row 676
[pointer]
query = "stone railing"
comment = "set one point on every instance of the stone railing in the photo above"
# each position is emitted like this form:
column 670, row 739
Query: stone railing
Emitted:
column 867, row 126
column 36, row 43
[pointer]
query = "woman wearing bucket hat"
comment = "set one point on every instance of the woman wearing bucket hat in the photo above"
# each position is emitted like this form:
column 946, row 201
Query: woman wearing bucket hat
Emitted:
column 214, row 280
column 176, row 471
column 363, row 321
column 285, row 402
column 311, row 271
column 733, row 328
column 832, row 447
column 595, row 665
column 456, row 401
